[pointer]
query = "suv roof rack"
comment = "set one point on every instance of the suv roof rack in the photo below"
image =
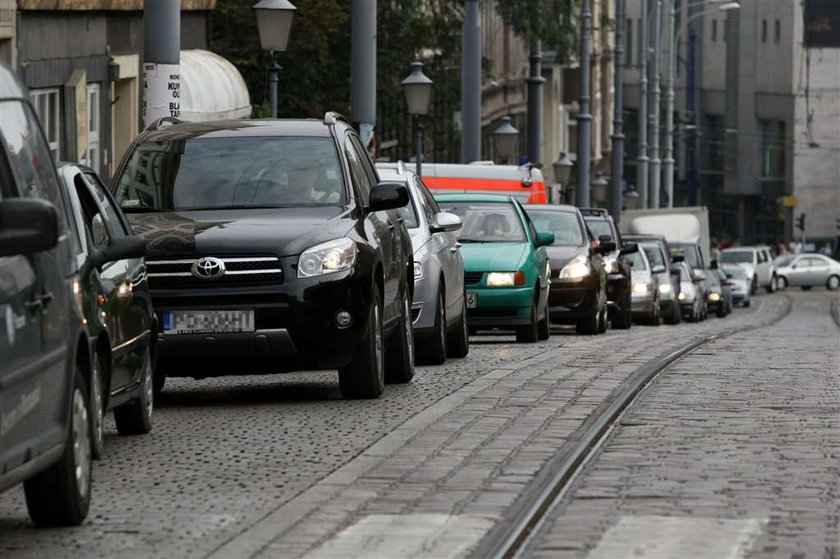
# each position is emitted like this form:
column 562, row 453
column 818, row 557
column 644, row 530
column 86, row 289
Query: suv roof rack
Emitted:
column 594, row 212
column 333, row 117
column 158, row 124
column 401, row 169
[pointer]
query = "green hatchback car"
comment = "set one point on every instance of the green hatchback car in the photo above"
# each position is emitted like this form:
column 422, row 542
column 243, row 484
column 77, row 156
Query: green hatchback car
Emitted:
column 506, row 268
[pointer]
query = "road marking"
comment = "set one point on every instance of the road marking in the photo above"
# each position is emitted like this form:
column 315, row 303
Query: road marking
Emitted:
column 405, row 535
column 667, row 537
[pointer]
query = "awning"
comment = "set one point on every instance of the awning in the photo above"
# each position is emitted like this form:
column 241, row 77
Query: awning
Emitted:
column 211, row 88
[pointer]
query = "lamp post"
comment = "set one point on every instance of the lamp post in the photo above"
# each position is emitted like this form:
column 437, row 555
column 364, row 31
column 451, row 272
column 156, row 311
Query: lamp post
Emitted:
column 631, row 199
column 562, row 171
column 599, row 188
column 506, row 136
column 668, row 163
column 618, row 117
column 417, row 88
column 274, row 22
column 584, row 127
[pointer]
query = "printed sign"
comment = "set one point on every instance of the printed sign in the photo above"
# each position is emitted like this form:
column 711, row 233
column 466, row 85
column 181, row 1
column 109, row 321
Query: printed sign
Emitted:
column 162, row 91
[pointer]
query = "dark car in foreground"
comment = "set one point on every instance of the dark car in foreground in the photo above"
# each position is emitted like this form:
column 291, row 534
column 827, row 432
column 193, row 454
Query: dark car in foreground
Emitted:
column 578, row 291
column 619, row 286
column 116, row 307
column 272, row 246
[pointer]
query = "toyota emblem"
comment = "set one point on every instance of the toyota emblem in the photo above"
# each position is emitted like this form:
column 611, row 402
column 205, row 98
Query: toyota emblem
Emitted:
column 208, row 268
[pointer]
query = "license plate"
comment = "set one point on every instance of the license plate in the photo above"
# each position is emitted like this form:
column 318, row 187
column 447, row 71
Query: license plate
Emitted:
column 207, row 322
column 472, row 300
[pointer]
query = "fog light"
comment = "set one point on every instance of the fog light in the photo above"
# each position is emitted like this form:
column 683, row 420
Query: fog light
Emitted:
column 343, row 319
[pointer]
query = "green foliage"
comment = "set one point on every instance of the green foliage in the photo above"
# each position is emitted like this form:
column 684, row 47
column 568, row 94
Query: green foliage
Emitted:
column 554, row 22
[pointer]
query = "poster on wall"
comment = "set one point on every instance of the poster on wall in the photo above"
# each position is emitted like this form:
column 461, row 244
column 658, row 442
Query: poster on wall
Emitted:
column 162, row 91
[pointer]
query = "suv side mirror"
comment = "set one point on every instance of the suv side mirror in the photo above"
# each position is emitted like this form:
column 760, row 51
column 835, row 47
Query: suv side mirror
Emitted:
column 27, row 226
column 445, row 221
column 605, row 238
column 677, row 258
column 121, row 248
column 713, row 265
column 629, row 248
column 605, row 247
column 388, row 196
column 544, row 238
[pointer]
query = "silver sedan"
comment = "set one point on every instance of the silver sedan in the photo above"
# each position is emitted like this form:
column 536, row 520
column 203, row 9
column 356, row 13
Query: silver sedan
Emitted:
column 439, row 307
column 808, row 270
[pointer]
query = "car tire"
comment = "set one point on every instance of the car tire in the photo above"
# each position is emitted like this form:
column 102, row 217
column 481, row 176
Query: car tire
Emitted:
column 399, row 352
column 588, row 326
column 754, row 286
column 782, row 282
column 674, row 317
column 459, row 340
column 97, row 408
column 623, row 318
column 528, row 334
column 135, row 417
column 656, row 316
column 364, row 377
column 721, row 310
column 60, row 495
column 771, row 287
column 544, row 325
column 602, row 322
column 832, row 283
column 434, row 350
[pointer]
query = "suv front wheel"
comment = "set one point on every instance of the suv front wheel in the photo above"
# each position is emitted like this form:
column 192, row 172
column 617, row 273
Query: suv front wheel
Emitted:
column 364, row 377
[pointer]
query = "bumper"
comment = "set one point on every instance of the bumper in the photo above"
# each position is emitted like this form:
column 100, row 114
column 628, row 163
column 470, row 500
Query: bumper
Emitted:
column 642, row 304
column 569, row 300
column 423, row 308
column 501, row 306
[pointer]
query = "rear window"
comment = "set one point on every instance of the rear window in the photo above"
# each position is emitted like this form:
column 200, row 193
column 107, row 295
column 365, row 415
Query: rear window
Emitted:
column 565, row 225
column 691, row 253
column 599, row 227
column 232, row 172
column 487, row 222
column 737, row 257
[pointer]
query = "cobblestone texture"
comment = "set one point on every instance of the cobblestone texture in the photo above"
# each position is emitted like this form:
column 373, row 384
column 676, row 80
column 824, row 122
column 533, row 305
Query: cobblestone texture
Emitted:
column 747, row 427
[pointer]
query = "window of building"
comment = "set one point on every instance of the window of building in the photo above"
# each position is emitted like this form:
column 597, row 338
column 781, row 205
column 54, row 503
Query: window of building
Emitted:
column 714, row 30
column 763, row 30
column 93, row 155
column 571, row 114
column 628, row 43
column 47, row 103
column 778, row 34
column 772, row 148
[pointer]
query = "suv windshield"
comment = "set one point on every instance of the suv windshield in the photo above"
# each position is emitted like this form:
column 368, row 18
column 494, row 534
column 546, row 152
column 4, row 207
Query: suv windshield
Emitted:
column 737, row 257
column 565, row 226
column 232, row 172
column 599, row 227
column 487, row 223
column 654, row 256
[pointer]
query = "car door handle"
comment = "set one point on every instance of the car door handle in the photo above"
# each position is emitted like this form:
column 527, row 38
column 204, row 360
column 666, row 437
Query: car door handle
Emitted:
column 39, row 303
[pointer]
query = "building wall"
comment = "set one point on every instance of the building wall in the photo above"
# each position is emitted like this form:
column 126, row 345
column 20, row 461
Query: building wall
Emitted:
column 8, row 32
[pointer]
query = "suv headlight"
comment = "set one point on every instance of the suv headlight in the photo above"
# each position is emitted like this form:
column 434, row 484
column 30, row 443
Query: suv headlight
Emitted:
column 326, row 258
column 418, row 270
column 576, row 269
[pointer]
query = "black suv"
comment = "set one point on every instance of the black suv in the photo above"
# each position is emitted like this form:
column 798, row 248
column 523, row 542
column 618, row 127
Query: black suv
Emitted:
column 275, row 241
column 45, row 422
column 619, row 286
column 578, row 291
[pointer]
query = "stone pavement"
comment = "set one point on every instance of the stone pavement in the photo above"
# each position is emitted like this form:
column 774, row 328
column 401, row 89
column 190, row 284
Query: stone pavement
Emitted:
column 737, row 443
column 466, row 459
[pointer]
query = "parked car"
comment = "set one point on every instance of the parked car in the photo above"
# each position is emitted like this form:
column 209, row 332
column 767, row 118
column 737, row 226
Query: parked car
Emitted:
column 719, row 296
column 658, row 253
column 739, row 284
column 603, row 229
column 578, row 292
column 645, row 288
column 272, row 241
column 757, row 263
column 809, row 270
column 439, row 310
column 691, row 297
column 116, row 307
column 45, row 439
column 506, row 265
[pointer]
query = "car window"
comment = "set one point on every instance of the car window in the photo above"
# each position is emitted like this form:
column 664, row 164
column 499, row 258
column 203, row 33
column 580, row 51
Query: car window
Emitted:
column 409, row 213
column 423, row 202
column 364, row 159
column 802, row 263
column 565, row 226
column 113, row 219
column 783, row 261
column 95, row 222
column 487, row 222
column 599, row 227
column 636, row 261
column 427, row 196
column 231, row 172
column 654, row 255
column 736, row 272
column 529, row 224
column 761, row 257
column 737, row 257
column 690, row 253
column 815, row 261
column 360, row 179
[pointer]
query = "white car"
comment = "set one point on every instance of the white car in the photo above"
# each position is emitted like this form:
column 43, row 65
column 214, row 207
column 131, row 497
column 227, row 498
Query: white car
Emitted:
column 739, row 284
column 757, row 263
column 808, row 270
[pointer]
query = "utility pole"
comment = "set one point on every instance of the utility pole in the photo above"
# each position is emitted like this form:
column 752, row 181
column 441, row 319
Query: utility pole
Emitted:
column 668, row 163
column 363, row 67
column 535, row 84
column 584, row 127
column 618, row 110
column 653, row 117
column 642, row 159
column 161, row 60
column 471, row 85
column 691, row 117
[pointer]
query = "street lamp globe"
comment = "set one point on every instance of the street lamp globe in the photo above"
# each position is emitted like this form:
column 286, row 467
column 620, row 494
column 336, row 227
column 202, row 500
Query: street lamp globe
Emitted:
column 631, row 199
column 274, row 21
column 562, row 168
column 506, row 137
column 599, row 188
column 417, row 88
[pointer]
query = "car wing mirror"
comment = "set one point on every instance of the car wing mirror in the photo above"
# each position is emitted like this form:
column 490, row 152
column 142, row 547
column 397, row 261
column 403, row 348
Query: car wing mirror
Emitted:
column 606, row 247
column 677, row 258
column 713, row 265
column 544, row 238
column 121, row 248
column 444, row 222
column 629, row 248
column 605, row 238
column 388, row 196
column 27, row 226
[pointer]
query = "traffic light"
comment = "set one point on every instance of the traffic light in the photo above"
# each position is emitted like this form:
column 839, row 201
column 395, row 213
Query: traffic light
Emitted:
column 800, row 222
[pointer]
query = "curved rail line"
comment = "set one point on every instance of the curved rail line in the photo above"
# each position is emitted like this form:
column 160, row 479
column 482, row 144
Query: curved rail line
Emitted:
column 515, row 530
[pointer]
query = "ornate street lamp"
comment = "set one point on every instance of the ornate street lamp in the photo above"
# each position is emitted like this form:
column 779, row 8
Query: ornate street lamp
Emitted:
column 506, row 137
column 562, row 167
column 417, row 88
column 631, row 199
column 599, row 188
column 274, row 22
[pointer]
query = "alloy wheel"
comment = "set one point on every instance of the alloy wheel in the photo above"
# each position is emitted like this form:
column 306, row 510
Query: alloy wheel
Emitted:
column 81, row 443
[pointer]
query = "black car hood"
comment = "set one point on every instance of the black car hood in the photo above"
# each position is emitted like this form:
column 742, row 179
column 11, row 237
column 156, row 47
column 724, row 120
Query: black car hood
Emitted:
column 559, row 256
column 279, row 231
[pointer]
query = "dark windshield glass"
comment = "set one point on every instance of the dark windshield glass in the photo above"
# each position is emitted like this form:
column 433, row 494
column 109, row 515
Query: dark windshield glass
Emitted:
column 599, row 227
column 216, row 173
column 737, row 257
column 565, row 226
column 487, row 222
column 654, row 256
